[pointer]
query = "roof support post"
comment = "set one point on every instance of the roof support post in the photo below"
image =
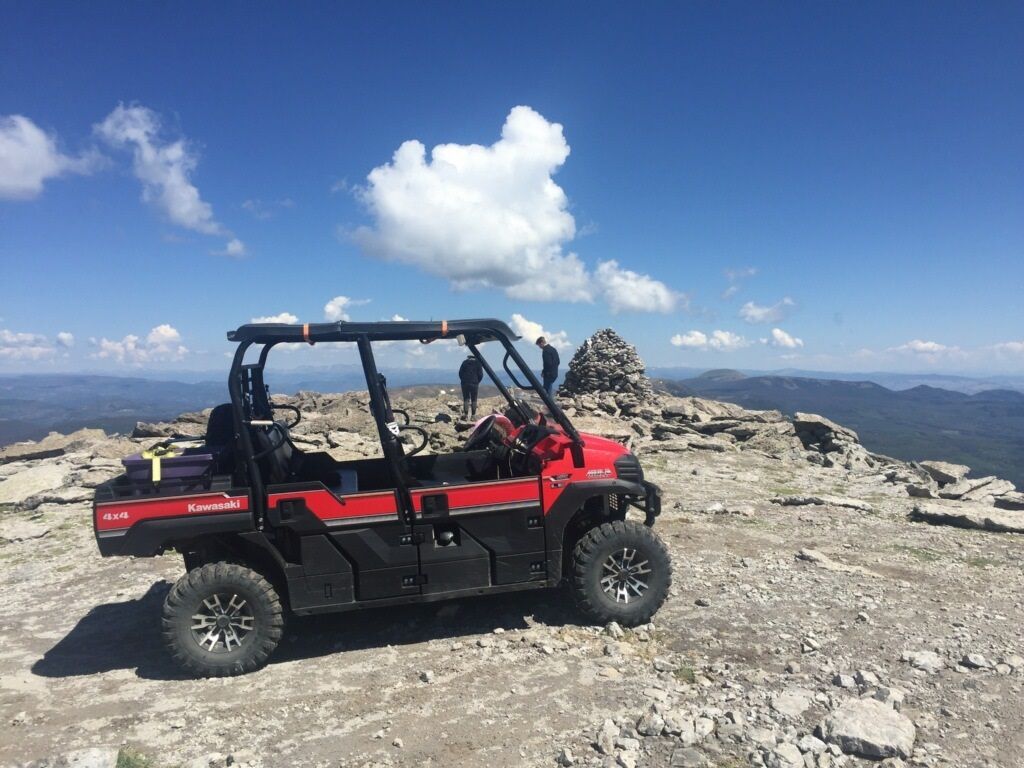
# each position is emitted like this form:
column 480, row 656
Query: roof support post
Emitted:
column 393, row 453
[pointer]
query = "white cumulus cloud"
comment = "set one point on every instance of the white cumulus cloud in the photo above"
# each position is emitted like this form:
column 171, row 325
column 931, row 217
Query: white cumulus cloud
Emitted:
column 531, row 331
column 281, row 317
column 338, row 308
column 24, row 346
column 487, row 216
column 1010, row 347
column 626, row 290
column 920, row 347
column 234, row 248
column 779, row 338
column 65, row 340
column 719, row 341
column 162, row 344
column 165, row 169
column 690, row 340
column 29, row 156
column 773, row 313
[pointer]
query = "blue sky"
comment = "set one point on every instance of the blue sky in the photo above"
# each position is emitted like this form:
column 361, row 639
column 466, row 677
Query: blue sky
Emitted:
column 825, row 186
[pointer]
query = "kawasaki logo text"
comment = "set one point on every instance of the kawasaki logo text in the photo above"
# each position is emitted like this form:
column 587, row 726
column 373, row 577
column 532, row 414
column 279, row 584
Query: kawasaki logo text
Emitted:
column 216, row 506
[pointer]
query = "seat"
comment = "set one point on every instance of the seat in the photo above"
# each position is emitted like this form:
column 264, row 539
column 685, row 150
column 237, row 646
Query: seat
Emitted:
column 220, row 427
column 220, row 437
column 277, row 462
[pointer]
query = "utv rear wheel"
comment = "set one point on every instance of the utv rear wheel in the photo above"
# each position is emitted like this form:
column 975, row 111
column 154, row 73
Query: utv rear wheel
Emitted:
column 621, row 572
column 222, row 619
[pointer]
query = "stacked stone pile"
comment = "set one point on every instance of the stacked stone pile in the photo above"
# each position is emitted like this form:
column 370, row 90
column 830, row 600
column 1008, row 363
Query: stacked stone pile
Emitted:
column 606, row 363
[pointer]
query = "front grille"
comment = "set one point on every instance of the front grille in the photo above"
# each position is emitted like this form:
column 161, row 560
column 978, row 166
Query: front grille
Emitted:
column 627, row 467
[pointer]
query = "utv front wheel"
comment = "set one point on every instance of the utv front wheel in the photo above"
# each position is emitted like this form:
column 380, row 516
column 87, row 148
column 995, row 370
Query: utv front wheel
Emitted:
column 621, row 572
column 222, row 619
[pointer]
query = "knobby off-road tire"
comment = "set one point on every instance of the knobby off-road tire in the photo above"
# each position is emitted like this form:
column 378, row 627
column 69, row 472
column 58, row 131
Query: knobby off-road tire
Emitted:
column 222, row 619
column 621, row 571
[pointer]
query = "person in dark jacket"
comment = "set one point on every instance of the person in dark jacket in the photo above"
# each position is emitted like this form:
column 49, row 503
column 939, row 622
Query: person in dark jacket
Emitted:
column 549, row 371
column 471, row 373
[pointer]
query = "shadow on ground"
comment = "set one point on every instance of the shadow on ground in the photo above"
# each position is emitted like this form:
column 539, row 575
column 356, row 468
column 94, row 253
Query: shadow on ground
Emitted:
column 126, row 635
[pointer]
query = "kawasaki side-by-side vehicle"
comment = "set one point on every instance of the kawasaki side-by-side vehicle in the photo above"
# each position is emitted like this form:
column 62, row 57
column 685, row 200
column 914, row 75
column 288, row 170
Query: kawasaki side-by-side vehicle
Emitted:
column 268, row 529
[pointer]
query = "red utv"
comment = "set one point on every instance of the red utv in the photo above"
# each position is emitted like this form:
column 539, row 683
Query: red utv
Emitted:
column 265, row 528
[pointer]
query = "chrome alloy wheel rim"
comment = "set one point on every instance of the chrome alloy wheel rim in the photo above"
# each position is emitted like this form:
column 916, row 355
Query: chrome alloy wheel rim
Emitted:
column 623, row 578
column 222, row 622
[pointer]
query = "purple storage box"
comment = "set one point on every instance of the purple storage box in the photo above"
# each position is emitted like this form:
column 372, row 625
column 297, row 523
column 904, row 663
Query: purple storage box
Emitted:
column 191, row 464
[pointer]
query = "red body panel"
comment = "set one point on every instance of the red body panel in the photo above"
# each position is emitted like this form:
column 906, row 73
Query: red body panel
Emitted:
column 553, row 452
column 558, row 471
column 326, row 506
column 522, row 490
column 121, row 515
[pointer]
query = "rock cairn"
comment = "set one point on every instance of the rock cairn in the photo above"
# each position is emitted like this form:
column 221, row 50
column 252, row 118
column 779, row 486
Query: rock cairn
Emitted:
column 607, row 363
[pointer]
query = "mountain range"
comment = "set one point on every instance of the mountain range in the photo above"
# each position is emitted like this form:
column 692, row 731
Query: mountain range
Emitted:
column 984, row 430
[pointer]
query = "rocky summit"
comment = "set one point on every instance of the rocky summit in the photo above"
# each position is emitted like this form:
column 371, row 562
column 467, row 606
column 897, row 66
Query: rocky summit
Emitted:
column 606, row 363
column 830, row 607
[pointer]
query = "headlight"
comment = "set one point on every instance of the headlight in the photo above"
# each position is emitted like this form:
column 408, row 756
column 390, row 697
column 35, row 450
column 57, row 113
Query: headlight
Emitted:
column 627, row 467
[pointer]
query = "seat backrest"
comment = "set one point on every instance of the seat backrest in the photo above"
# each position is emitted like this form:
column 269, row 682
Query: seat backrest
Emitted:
column 220, row 428
column 276, row 466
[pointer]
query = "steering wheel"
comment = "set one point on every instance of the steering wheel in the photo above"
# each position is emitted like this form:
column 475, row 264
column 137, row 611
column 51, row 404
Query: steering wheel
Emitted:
column 422, row 432
column 521, row 450
column 481, row 434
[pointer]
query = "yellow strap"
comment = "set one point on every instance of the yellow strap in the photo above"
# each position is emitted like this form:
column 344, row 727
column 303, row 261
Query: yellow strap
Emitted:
column 154, row 455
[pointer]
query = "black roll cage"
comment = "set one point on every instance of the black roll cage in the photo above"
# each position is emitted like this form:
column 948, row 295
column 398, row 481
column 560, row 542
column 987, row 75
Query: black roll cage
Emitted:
column 471, row 333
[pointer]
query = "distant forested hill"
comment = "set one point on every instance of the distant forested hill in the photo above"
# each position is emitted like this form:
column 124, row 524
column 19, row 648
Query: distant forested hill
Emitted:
column 984, row 430
column 33, row 404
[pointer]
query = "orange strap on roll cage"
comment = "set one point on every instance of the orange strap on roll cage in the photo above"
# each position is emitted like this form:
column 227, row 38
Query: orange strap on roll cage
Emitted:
column 305, row 334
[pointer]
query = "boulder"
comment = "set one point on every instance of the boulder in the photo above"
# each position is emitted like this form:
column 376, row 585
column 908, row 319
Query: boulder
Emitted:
column 1013, row 500
column 54, row 444
column 32, row 481
column 990, row 490
column 827, row 563
column 921, row 491
column 68, row 494
column 793, row 702
column 814, row 429
column 829, row 501
column 148, row 429
column 966, row 514
column 944, row 472
column 926, row 661
column 869, row 728
column 785, row 756
column 964, row 487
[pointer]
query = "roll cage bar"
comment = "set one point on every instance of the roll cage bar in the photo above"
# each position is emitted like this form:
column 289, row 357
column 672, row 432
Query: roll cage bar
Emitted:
column 248, row 379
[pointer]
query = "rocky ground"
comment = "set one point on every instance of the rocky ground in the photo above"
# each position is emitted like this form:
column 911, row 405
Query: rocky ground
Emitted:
column 824, row 612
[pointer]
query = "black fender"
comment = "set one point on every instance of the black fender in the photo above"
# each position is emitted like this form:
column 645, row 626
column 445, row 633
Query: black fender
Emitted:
column 148, row 538
column 249, row 548
column 570, row 502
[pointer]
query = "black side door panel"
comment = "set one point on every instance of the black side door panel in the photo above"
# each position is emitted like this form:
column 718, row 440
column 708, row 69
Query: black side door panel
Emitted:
column 384, row 558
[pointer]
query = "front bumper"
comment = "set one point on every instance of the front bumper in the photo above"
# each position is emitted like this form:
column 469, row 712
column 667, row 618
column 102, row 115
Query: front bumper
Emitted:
column 652, row 502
